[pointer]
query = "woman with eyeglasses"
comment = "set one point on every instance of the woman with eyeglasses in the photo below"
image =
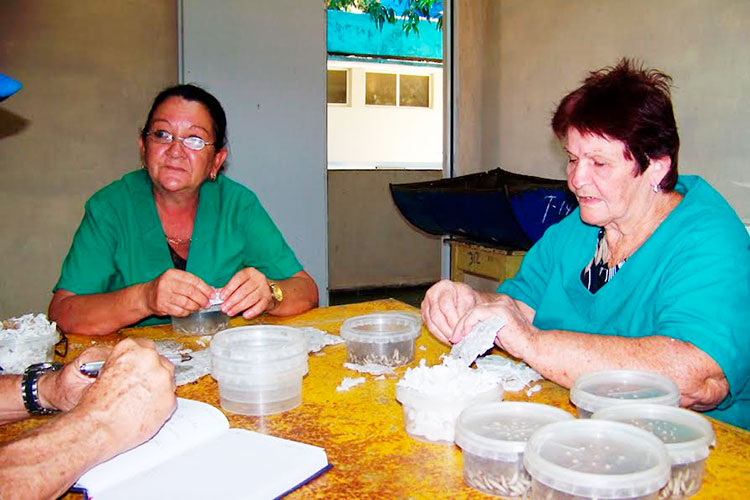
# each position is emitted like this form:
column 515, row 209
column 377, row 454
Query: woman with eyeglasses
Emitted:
column 166, row 239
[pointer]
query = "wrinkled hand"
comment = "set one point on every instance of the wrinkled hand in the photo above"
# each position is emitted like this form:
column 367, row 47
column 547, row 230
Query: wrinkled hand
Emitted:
column 133, row 395
column 247, row 291
column 444, row 304
column 63, row 389
column 513, row 338
column 177, row 293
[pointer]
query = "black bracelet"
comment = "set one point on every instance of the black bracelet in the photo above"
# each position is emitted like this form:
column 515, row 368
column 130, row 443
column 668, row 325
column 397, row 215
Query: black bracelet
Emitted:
column 30, row 388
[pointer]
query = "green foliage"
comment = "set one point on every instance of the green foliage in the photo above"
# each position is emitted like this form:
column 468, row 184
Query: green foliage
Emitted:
column 418, row 9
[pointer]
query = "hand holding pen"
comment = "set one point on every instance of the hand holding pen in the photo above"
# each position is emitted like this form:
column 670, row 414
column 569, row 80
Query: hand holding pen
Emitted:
column 92, row 368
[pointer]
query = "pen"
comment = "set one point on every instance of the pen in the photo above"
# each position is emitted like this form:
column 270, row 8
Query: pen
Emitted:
column 92, row 368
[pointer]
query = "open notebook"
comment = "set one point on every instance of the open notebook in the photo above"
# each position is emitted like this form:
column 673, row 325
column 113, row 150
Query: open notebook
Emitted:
column 197, row 456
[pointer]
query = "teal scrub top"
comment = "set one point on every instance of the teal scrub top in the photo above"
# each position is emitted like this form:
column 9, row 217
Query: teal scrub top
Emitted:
column 120, row 241
column 690, row 281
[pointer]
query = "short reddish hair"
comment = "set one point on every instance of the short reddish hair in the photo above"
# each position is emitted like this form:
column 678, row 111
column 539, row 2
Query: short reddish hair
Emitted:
column 630, row 104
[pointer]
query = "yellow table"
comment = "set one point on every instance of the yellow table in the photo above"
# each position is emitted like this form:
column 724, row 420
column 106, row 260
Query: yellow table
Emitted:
column 362, row 429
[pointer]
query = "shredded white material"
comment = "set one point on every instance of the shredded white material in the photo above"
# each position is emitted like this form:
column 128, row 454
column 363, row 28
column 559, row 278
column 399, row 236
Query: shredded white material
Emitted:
column 318, row 339
column 422, row 348
column 479, row 340
column 533, row 389
column 349, row 382
column 451, row 385
column 514, row 376
column 187, row 371
column 26, row 340
column 215, row 298
column 371, row 368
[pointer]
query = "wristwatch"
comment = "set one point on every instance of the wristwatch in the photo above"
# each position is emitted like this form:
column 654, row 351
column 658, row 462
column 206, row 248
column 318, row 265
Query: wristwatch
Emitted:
column 276, row 292
column 30, row 388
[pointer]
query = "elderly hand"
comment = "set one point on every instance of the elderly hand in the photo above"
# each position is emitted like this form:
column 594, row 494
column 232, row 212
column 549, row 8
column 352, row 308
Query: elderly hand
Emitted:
column 444, row 304
column 63, row 389
column 247, row 291
column 177, row 293
column 514, row 337
column 132, row 397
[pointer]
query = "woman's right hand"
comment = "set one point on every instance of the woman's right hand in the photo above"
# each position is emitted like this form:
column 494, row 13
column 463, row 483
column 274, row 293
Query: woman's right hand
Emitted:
column 177, row 293
column 445, row 303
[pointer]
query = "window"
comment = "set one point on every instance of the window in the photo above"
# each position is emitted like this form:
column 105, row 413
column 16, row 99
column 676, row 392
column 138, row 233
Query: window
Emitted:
column 338, row 86
column 380, row 89
column 387, row 89
column 414, row 90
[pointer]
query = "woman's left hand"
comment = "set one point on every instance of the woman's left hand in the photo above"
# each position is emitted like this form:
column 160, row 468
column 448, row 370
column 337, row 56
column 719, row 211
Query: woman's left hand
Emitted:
column 247, row 291
column 518, row 332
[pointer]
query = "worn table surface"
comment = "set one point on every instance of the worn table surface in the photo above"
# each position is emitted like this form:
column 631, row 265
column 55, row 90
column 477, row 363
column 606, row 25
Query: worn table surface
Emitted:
column 362, row 429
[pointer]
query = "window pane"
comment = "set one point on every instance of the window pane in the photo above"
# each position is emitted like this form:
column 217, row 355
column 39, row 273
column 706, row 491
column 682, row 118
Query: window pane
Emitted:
column 337, row 86
column 380, row 89
column 415, row 91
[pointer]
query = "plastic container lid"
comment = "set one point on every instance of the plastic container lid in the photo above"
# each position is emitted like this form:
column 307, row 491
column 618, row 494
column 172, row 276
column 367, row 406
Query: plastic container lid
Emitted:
column 596, row 390
column 686, row 434
column 382, row 328
column 501, row 430
column 259, row 349
column 597, row 459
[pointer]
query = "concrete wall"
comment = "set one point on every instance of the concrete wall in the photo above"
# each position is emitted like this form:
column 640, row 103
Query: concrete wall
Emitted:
column 538, row 50
column 363, row 136
column 369, row 242
column 90, row 70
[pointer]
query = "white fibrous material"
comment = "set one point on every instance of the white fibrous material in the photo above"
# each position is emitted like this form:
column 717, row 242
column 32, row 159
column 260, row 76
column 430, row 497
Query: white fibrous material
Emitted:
column 26, row 340
column 349, row 382
column 514, row 376
column 371, row 368
column 479, row 340
column 190, row 370
column 215, row 298
column 452, row 385
column 533, row 389
column 318, row 339
column 422, row 348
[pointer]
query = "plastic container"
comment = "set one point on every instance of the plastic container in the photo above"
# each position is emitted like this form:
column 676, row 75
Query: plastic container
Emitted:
column 26, row 340
column 259, row 368
column 493, row 437
column 595, row 459
column 432, row 417
column 686, row 434
column 383, row 338
column 596, row 390
column 206, row 321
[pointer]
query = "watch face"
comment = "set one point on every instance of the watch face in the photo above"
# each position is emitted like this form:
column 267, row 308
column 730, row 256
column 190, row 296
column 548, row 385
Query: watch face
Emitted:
column 276, row 292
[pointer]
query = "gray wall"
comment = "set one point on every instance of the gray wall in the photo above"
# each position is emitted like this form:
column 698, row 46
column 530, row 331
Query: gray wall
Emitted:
column 266, row 62
column 370, row 243
column 90, row 70
column 538, row 50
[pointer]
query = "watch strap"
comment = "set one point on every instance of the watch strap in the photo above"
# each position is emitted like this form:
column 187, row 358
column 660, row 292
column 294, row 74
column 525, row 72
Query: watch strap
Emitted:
column 30, row 388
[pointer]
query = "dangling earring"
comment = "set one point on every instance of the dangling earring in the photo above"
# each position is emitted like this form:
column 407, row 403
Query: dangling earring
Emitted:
column 143, row 166
column 655, row 188
column 213, row 177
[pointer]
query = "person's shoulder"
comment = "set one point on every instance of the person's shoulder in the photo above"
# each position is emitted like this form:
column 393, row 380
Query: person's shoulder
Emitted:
column 235, row 192
column 114, row 193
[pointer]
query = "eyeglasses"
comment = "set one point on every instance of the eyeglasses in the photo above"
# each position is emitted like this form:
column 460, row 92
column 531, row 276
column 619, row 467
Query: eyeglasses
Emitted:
column 193, row 142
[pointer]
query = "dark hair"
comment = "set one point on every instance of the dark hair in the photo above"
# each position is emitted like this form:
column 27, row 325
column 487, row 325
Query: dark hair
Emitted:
column 630, row 104
column 194, row 93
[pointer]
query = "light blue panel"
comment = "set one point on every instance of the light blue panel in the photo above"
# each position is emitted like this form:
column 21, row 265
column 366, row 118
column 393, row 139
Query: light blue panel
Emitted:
column 266, row 62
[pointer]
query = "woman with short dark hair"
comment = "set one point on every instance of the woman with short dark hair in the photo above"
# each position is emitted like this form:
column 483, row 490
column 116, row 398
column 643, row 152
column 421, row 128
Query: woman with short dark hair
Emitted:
column 651, row 272
column 167, row 239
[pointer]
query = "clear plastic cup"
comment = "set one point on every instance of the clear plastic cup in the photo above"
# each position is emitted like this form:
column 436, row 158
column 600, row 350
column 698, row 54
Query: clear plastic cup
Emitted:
column 596, row 390
column 205, row 321
column 432, row 417
column 595, row 459
column 26, row 340
column 259, row 368
column 687, row 435
column 493, row 436
column 382, row 338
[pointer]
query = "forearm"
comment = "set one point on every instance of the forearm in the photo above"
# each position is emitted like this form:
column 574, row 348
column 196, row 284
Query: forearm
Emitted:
column 101, row 313
column 562, row 356
column 45, row 462
column 300, row 295
column 11, row 402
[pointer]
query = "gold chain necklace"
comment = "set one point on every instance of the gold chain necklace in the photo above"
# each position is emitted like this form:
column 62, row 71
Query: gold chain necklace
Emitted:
column 179, row 241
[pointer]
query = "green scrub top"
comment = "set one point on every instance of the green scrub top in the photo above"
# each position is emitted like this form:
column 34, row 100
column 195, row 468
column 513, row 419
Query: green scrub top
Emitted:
column 690, row 281
column 120, row 241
